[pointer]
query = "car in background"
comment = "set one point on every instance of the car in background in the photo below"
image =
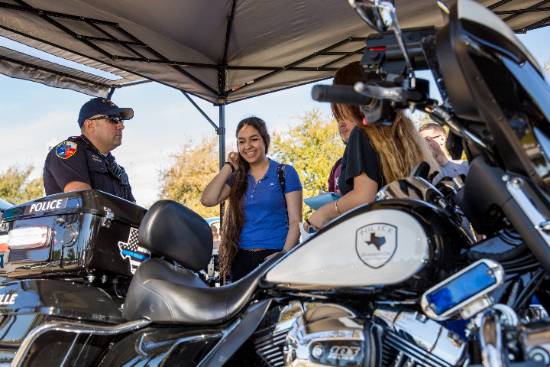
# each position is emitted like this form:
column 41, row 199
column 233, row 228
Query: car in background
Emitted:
column 212, row 275
column 214, row 223
column 5, row 205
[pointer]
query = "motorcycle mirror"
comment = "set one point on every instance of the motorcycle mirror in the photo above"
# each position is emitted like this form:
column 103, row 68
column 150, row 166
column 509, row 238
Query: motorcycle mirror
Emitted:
column 378, row 14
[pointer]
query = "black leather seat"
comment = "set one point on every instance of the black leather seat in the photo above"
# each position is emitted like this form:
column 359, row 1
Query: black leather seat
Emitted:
column 163, row 293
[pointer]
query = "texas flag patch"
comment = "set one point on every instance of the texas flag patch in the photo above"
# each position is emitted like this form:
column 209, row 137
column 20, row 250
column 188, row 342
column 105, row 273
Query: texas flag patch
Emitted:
column 66, row 149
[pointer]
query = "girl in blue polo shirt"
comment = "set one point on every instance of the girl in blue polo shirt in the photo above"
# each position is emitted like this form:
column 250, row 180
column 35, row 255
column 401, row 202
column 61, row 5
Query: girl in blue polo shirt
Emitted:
column 261, row 219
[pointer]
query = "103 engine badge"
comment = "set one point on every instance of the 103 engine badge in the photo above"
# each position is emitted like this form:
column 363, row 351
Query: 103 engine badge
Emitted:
column 376, row 244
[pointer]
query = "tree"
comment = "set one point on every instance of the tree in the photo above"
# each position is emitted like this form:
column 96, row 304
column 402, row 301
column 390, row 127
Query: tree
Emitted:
column 16, row 187
column 194, row 167
column 312, row 148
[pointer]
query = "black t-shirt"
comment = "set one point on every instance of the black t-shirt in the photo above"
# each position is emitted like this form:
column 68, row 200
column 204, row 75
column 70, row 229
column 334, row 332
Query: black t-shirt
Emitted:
column 76, row 159
column 359, row 157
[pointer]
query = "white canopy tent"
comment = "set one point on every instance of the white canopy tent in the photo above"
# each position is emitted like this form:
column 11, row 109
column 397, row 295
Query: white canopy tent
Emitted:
column 222, row 51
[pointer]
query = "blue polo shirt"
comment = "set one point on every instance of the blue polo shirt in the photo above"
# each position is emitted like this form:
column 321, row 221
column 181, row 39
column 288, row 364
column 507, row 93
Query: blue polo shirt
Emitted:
column 265, row 215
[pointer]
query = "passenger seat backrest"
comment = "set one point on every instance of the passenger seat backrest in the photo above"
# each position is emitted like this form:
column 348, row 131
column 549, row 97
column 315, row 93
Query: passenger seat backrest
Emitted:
column 176, row 232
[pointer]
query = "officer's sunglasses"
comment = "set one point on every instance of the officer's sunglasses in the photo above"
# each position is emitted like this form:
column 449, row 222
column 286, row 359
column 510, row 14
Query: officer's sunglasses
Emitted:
column 112, row 119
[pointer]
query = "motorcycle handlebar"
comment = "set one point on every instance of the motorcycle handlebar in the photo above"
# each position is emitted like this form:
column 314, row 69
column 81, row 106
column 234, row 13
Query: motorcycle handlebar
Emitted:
column 344, row 94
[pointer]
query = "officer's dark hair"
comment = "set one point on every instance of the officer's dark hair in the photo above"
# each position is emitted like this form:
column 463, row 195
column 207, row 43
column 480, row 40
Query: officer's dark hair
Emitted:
column 234, row 215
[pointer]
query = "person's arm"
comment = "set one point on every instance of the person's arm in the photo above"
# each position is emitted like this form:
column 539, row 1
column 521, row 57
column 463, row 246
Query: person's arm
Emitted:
column 70, row 172
column 364, row 192
column 294, row 210
column 217, row 190
column 76, row 186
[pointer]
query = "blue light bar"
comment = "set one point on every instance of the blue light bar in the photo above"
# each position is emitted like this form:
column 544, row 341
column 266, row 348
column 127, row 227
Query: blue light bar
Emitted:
column 462, row 290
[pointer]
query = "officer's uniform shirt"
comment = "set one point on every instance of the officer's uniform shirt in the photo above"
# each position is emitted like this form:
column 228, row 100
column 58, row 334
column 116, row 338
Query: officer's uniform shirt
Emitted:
column 76, row 159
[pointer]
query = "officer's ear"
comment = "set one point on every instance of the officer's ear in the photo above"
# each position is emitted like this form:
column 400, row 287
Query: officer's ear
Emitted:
column 87, row 125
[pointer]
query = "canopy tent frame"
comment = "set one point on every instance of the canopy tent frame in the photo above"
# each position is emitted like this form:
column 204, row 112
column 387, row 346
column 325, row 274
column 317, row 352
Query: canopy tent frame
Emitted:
column 222, row 67
column 137, row 48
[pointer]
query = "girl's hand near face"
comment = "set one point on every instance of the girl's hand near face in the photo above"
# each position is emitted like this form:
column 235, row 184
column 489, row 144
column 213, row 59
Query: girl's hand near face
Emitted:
column 233, row 158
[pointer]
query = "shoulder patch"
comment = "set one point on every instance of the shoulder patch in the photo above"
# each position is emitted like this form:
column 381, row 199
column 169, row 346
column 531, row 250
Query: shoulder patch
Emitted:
column 65, row 149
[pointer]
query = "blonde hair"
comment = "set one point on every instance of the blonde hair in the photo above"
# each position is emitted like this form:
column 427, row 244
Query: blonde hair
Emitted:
column 399, row 146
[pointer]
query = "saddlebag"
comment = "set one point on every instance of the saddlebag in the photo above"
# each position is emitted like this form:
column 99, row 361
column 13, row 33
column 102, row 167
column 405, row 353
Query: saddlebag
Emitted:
column 80, row 233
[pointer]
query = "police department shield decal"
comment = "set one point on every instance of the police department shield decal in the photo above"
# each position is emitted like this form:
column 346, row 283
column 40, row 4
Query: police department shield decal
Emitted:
column 376, row 244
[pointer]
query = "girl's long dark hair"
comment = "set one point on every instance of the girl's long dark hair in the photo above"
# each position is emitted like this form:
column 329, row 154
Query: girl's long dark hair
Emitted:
column 233, row 219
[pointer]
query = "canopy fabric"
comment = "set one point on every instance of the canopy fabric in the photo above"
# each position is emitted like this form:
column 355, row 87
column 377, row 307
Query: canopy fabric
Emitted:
column 222, row 51
column 22, row 66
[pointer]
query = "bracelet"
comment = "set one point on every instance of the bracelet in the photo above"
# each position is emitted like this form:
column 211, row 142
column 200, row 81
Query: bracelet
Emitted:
column 230, row 165
column 336, row 207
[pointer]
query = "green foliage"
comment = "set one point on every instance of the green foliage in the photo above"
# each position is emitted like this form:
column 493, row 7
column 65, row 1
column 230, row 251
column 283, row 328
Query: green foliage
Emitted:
column 312, row 148
column 194, row 167
column 16, row 187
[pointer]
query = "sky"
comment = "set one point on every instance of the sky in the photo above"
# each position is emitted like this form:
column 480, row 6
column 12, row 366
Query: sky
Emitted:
column 34, row 117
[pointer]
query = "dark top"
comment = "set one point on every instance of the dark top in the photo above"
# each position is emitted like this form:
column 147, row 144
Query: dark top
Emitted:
column 335, row 172
column 359, row 157
column 76, row 159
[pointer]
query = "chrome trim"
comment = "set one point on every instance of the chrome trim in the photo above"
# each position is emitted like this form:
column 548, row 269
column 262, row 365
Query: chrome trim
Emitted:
column 490, row 340
column 472, row 305
column 514, row 187
column 108, row 218
column 419, row 337
column 76, row 328
column 143, row 347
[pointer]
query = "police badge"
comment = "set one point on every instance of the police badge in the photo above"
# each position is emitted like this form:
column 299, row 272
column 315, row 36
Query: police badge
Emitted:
column 376, row 244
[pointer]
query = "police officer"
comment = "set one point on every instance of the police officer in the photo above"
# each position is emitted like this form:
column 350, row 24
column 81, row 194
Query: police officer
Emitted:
column 85, row 162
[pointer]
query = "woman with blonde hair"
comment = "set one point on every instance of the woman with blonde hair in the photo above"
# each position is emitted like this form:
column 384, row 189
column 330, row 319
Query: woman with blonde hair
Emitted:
column 375, row 155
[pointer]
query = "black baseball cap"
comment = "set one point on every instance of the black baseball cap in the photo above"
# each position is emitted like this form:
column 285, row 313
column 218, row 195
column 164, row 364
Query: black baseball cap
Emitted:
column 103, row 106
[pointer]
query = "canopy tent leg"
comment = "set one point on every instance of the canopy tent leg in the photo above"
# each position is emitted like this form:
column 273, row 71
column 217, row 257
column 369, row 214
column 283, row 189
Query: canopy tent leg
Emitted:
column 220, row 130
column 221, row 134
column 221, row 137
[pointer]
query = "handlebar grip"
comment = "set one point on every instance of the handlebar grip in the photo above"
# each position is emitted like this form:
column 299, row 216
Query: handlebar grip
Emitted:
column 338, row 94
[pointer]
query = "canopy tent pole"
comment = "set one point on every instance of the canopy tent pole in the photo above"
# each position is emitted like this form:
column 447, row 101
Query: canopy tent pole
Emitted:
column 221, row 134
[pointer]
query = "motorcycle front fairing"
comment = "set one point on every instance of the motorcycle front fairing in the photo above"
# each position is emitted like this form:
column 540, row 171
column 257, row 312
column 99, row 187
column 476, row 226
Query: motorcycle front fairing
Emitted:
column 498, row 91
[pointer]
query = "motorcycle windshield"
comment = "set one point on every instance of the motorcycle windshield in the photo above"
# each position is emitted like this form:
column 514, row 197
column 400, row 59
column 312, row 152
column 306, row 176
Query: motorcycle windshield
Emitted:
column 484, row 24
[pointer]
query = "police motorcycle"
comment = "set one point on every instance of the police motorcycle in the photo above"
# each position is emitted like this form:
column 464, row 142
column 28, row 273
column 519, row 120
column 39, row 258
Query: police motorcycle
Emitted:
column 396, row 282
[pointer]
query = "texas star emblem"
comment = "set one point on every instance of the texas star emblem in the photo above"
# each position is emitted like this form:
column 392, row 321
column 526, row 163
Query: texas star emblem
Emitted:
column 376, row 244
column 66, row 149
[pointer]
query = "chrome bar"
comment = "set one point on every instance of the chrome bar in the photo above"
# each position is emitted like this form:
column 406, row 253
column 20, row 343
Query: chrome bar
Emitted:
column 76, row 328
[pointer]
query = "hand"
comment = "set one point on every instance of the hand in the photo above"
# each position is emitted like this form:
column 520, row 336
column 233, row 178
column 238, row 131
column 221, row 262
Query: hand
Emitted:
column 315, row 222
column 233, row 158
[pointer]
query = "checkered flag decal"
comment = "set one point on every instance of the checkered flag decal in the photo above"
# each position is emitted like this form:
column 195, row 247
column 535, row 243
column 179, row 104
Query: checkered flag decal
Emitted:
column 132, row 251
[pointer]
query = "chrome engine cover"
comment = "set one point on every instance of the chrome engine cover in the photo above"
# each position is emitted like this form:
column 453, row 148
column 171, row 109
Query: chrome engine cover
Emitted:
column 325, row 335
column 328, row 334
column 413, row 337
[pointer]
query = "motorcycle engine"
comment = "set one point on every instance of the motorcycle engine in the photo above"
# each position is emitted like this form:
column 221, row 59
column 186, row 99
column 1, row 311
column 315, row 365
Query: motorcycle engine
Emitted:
column 321, row 334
